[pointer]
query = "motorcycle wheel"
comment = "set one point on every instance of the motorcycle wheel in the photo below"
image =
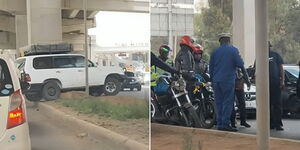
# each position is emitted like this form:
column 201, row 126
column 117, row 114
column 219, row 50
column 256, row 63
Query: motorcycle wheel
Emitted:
column 183, row 119
column 196, row 122
column 154, row 109
column 208, row 118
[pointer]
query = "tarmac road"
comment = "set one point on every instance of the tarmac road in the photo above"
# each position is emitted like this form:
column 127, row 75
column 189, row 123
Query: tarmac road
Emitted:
column 49, row 133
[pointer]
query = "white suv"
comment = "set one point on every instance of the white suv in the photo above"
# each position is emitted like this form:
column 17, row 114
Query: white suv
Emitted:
column 14, row 131
column 48, row 75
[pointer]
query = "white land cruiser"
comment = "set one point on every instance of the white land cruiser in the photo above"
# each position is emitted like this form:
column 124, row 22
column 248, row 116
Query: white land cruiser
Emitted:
column 48, row 75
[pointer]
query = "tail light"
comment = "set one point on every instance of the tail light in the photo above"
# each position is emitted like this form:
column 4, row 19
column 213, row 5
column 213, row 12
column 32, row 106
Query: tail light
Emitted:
column 16, row 114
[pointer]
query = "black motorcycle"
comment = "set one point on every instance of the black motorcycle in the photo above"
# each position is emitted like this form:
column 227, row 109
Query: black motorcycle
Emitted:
column 174, row 106
column 203, row 101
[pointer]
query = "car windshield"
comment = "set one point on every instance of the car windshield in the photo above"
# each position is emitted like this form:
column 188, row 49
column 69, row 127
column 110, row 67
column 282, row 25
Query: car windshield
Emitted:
column 293, row 70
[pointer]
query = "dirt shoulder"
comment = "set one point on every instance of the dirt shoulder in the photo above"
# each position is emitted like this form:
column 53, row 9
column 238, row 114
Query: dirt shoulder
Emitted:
column 180, row 138
column 136, row 129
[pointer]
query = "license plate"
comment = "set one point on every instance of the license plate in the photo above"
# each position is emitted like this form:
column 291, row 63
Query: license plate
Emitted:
column 250, row 104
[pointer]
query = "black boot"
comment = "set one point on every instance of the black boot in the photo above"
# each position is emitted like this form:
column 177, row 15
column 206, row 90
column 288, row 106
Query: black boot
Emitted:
column 245, row 124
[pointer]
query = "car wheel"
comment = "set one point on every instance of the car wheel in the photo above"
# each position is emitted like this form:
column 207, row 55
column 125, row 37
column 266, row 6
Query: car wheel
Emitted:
column 112, row 87
column 33, row 97
column 51, row 91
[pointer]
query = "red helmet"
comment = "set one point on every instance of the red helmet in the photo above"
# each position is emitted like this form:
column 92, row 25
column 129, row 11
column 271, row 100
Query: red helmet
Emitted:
column 197, row 48
column 186, row 40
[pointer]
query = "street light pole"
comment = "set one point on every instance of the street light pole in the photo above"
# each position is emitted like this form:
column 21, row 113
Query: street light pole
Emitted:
column 87, row 91
column 170, row 23
column 262, row 75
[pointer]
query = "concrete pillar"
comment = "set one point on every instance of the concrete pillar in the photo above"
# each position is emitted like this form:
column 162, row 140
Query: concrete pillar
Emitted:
column 7, row 40
column 21, row 31
column 44, row 21
column 262, row 77
column 244, row 29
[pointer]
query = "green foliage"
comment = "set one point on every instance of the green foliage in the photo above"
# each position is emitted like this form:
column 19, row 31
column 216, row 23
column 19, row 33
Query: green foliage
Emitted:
column 284, row 26
column 106, row 109
column 208, row 25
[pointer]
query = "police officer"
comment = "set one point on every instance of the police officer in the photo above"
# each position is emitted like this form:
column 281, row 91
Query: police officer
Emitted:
column 222, row 68
column 184, row 59
column 241, row 78
column 276, row 76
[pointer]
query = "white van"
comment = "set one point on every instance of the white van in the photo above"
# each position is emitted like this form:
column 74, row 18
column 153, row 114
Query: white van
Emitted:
column 14, row 131
column 48, row 75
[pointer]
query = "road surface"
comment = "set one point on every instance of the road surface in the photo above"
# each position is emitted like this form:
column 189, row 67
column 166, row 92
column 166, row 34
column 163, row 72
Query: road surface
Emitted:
column 49, row 133
column 144, row 93
column 291, row 129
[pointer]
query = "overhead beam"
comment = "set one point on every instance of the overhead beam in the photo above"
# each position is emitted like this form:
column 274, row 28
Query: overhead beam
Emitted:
column 109, row 5
column 92, row 14
column 72, row 25
column 13, row 6
column 72, row 13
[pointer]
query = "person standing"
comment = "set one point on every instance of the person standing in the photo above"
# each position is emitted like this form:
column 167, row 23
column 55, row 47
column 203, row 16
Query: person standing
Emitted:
column 241, row 78
column 276, row 77
column 222, row 68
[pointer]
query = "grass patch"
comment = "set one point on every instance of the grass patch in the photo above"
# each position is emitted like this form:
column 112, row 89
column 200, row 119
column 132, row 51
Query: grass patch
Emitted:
column 188, row 142
column 90, row 105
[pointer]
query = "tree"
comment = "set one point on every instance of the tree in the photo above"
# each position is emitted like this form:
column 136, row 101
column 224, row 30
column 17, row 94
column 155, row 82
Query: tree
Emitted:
column 284, row 26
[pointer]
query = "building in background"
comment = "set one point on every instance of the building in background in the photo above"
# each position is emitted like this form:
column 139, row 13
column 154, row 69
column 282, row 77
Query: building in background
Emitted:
column 170, row 19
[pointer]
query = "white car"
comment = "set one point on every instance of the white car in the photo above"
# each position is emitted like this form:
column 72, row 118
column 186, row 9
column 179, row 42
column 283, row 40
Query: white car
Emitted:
column 14, row 131
column 250, row 99
column 48, row 75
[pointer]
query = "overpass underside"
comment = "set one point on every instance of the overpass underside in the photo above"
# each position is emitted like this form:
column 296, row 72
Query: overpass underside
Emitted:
column 25, row 22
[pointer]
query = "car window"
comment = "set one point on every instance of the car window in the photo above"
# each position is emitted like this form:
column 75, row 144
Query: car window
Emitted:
column 42, row 63
column 79, row 61
column 293, row 71
column 64, row 62
column 6, row 86
column 20, row 63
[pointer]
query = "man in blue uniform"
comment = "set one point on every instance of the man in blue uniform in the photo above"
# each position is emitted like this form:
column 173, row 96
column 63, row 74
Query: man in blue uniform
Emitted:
column 276, row 76
column 222, row 68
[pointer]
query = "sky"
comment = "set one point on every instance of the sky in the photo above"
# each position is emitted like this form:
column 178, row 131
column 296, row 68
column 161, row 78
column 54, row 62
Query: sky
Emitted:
column 115, row 28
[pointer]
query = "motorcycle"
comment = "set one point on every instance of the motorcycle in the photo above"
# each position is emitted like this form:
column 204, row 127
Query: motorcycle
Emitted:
column 173, row 106
column 203, row 101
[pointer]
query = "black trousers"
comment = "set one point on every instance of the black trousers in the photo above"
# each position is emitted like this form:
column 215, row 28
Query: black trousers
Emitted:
column 275, row 104
column 240, row 101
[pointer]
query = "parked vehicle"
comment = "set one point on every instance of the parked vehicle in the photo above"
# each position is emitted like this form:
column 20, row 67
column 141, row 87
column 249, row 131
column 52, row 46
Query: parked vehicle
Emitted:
column 14, row 131
column 48, row 75
column 203, row 101
column 291, row 104
column 172, row 104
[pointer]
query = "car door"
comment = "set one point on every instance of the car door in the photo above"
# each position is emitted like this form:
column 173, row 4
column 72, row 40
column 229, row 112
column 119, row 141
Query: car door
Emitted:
column 95, row 73
column 66, row 71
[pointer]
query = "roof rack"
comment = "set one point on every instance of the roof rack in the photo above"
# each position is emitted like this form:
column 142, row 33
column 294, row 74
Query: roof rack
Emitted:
column 42, row 49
